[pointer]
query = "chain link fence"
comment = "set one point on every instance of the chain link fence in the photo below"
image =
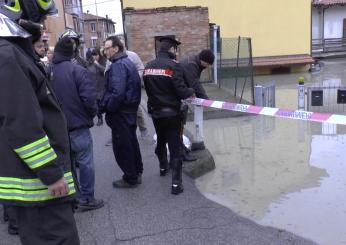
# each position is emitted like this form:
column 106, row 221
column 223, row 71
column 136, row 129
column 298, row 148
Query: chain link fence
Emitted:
column 235, row 68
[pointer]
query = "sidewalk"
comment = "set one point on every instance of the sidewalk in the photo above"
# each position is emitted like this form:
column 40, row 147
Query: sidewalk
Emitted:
column 150, row 215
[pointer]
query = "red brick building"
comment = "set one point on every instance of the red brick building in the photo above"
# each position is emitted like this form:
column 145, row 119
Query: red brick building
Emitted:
column 189, row 25
column 97, row 29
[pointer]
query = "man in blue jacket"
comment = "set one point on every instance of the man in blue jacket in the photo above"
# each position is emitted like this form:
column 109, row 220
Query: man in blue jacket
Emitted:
column 120, row 102
column 77, row 93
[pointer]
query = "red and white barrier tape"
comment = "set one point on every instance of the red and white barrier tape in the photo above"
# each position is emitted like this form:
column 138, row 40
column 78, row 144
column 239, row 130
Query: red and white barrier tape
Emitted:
column 269, row 111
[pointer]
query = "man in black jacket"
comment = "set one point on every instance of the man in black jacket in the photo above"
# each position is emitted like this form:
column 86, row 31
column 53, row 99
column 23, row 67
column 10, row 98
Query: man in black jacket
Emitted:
column 193, row 67
column 35, row 166
column 165, row 87
column 76, row 92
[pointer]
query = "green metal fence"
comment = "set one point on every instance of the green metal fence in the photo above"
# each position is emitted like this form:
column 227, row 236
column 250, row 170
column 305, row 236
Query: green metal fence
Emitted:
column 235, row 69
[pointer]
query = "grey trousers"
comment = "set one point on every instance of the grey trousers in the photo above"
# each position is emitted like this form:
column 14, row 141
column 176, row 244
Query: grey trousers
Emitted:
column 141, row 119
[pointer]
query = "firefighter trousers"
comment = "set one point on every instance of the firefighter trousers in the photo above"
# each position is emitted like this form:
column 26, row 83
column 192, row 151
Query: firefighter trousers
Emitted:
column 49, row 225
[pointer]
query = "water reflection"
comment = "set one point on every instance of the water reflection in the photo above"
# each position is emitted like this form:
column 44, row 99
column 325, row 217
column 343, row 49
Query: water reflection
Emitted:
column 280, row 172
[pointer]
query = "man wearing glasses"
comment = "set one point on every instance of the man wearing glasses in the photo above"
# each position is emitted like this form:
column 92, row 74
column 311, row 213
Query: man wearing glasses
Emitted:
column 120, row 103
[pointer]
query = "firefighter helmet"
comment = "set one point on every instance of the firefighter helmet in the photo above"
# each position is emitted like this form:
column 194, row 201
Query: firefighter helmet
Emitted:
column 33, row 10
column 9, row 28
column 73, row 35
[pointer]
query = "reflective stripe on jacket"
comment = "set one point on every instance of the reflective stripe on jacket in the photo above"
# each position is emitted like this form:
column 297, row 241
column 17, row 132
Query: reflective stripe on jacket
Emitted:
column 29, row 190
column 34, row 143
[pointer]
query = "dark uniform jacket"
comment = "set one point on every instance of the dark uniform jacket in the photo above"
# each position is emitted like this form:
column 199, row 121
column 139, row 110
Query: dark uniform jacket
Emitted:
column 34, row 146
column 122, row 88
column 192, row 73
column 76, row 91
column 164, row 84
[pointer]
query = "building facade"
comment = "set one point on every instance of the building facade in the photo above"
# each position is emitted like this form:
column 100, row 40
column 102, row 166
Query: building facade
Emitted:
column 70, row 16
column 328, row 27
column 74, row 15
column 144, row 27
column 54, row 26
column 269, row 23
column 97, row 29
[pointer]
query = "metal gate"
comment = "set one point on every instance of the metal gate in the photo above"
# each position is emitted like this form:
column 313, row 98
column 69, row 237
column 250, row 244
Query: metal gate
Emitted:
column 265, row 95
column 326, row 99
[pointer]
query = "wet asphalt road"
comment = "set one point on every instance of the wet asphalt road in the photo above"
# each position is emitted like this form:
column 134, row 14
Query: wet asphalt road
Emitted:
column 150, row 215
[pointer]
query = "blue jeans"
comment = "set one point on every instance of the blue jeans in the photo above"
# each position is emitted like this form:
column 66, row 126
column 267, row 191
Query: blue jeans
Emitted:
column 82, row 154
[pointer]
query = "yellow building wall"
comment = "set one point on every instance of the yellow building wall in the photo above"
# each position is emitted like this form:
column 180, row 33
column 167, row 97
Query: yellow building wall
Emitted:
column 276, row 27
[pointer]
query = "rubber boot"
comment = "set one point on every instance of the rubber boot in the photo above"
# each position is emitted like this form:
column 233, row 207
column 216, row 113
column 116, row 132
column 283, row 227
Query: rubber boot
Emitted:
column 177, row 181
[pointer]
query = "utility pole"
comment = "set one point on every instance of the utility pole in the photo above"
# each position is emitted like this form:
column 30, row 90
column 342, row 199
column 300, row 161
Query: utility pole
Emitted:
column 123, row 18
column 97, row 24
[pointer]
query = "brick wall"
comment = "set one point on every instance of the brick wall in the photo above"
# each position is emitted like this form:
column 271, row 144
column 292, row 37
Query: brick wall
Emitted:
column 189, row 25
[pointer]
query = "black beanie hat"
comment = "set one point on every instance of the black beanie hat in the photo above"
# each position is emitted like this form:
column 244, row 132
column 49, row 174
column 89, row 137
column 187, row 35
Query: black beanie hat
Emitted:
column 64, row 47
column 207, row 56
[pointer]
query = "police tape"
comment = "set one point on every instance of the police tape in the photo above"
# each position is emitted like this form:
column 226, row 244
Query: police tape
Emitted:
column 271, row 111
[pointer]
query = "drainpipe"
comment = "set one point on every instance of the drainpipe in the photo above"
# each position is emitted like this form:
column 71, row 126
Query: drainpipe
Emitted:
column 63, row 9
column 123, row 17
column 323, row 9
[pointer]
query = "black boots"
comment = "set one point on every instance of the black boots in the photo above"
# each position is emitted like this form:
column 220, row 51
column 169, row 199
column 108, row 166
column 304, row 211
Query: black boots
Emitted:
column 164, row 166
column 177, row 168
column 177, row 182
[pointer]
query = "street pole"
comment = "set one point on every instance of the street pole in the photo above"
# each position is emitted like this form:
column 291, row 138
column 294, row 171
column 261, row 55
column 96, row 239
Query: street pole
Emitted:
column 123, row 18
column 97, row 25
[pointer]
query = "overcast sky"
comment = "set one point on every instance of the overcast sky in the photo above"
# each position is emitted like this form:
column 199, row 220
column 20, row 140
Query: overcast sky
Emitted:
column 110, row 7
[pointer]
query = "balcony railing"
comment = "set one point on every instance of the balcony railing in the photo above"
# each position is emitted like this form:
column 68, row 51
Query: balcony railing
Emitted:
column 328, row 45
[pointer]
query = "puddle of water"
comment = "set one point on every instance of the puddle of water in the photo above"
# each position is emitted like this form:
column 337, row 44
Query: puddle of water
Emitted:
column 281, row 173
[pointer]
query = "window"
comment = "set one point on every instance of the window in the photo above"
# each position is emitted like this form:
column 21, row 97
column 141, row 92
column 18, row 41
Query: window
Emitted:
column 68, row 2
column 93, row 27
column 93, row 43
column 76, row 25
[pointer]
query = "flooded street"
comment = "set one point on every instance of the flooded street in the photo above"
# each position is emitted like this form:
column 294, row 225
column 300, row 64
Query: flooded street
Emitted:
column 333, row 73
column 280, row 173
column 283, row 173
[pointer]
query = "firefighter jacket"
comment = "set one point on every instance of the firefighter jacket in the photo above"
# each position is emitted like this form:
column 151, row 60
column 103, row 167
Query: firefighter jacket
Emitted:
column 34, row 145
column 164, row 84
